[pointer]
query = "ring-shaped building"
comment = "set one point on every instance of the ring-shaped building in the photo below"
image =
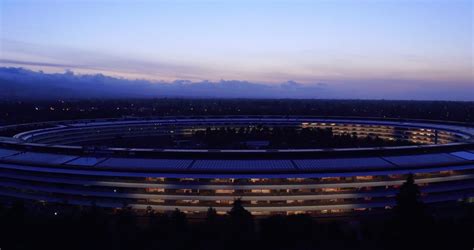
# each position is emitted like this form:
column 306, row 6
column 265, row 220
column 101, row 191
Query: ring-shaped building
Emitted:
column 45, row 162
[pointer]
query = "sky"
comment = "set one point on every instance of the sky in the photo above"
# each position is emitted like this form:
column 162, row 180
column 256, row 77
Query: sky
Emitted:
column 422, row 49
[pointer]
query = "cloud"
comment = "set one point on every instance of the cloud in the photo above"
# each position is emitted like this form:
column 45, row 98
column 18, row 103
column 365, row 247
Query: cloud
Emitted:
column 24, row 83
column 17, row 82
column 57, row 58
column 41, row 64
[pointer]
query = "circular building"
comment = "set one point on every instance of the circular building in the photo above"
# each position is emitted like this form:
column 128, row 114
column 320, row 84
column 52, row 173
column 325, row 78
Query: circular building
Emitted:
column 65, row 162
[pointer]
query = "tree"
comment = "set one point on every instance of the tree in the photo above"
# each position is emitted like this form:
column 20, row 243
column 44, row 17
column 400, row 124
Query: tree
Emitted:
column 409, row 204
column 211, row 215
column 411, row 223
column 179, row 219
column 241, row 224
column 238, row 211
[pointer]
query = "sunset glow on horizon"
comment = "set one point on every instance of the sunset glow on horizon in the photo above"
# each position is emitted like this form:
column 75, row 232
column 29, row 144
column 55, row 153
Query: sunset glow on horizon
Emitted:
column 370, row 45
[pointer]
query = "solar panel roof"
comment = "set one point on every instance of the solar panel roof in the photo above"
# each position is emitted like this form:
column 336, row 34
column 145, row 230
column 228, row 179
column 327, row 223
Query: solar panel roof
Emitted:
column 424, row 159
column 86, row 161
column 42, row 158
column 342, row 163
column 143, row 164
column 465, row 155
column 7, row 152
column 243, row 165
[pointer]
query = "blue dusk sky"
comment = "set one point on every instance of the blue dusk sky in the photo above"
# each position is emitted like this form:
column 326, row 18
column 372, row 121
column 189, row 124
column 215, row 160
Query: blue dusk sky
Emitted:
column 418, row 49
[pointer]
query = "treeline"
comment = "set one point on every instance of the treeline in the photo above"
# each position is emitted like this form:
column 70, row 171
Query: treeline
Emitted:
column 22, row 111
column 286, row 137
column 410, row 224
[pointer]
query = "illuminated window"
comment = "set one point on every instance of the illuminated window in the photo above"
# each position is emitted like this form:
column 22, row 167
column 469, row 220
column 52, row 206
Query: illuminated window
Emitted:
column 364, row 178
column 157, row 200
column 155, row 190
column 224, row 191
column 263, row 191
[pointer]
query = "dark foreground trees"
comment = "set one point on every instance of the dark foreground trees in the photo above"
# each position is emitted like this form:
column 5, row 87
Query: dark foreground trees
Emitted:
column 409, row 224
column 413, row 224
column 410, row 221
